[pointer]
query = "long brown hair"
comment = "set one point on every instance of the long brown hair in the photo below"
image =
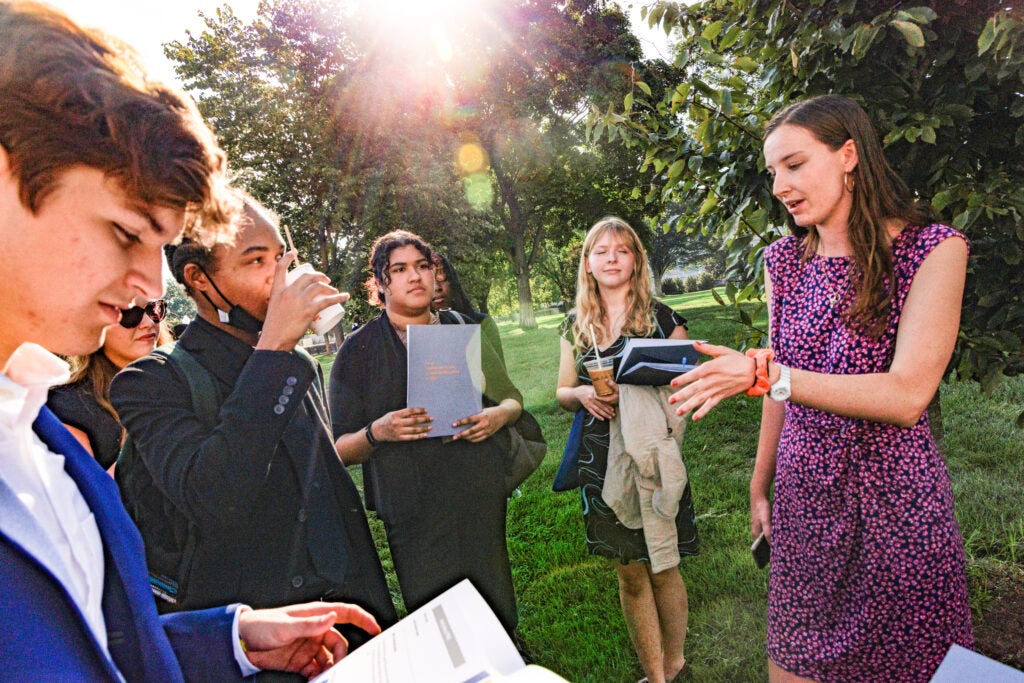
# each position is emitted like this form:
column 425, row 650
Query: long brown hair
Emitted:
column 590, row 310
column 879, row 196
column 97, row 371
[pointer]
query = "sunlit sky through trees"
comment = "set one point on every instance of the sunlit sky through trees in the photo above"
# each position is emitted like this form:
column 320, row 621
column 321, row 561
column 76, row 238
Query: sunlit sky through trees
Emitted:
column 148, row 24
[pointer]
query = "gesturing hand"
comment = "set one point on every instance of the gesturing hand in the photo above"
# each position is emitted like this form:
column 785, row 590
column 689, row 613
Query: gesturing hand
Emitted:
column 728, row 373
column 407, row 424
column 300, row 638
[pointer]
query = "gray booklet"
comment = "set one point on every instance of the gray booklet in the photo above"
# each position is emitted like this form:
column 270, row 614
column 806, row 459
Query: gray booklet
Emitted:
column 445, row 374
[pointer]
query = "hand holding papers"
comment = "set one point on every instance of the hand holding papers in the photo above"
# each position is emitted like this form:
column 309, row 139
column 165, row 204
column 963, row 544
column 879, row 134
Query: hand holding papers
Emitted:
column 445, row 374
column 655, row 362
column 454, row 638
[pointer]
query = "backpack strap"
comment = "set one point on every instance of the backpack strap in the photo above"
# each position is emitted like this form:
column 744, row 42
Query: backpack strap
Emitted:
column 172, row 549
column 202, row 387
column 459, row 318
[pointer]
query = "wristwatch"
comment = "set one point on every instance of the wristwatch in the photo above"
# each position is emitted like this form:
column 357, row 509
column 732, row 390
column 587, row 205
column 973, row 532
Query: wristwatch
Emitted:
column 780, row 390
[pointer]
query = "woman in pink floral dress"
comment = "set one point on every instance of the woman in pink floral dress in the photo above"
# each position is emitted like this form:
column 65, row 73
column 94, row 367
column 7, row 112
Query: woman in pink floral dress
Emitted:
column 867, row 566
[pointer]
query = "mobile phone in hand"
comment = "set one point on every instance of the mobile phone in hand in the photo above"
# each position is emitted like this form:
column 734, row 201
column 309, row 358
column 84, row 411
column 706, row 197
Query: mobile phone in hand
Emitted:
column 761, row 551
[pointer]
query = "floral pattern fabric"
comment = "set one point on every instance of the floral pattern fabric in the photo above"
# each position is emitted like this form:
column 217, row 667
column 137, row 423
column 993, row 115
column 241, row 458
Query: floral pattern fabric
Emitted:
column 867, row 571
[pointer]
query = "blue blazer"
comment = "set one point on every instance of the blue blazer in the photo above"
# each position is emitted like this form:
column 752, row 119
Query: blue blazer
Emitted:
column 43, row 635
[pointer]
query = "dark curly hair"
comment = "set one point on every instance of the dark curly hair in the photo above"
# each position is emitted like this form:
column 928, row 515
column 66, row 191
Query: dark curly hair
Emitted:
column 380, row 260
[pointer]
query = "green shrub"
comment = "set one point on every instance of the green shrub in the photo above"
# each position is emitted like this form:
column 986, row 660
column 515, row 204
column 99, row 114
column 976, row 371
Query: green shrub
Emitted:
column 672, row 285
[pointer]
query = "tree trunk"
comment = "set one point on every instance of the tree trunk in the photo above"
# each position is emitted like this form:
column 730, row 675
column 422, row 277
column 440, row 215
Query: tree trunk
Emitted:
column 515, row 225
column 527, row 320
column 656, row 276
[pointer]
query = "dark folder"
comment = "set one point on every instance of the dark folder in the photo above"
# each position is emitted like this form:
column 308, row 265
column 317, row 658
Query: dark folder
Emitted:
column 655, row 362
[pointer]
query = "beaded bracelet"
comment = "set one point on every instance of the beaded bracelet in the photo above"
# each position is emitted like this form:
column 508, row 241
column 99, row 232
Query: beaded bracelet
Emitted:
column 761, row 384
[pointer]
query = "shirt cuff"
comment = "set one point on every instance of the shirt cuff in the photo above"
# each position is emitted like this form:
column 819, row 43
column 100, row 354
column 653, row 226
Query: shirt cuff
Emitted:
column 244, row 665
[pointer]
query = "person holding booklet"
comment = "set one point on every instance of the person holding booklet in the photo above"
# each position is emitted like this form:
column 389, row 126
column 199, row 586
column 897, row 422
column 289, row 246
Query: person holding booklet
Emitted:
column 613, row 304
column 443, row 502
column 867, row 560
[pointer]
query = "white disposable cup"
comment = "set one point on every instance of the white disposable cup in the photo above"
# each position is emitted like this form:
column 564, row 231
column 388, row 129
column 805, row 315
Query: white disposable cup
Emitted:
column 327, row 319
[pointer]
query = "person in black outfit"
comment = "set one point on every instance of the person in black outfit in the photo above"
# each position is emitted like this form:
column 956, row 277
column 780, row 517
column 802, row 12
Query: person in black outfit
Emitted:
column 276, row 517
column 83, row 404
column 443, row 504
column 449, row 295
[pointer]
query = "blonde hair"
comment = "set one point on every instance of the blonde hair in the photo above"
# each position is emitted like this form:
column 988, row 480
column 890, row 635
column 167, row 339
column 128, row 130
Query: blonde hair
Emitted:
column 590, row 310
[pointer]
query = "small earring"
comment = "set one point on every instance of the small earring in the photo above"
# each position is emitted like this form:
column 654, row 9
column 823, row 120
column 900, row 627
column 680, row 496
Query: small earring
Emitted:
column 847, row 183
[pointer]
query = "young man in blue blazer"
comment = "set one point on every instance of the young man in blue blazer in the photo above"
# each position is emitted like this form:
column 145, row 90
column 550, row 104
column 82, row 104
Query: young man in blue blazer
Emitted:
column 98, row 170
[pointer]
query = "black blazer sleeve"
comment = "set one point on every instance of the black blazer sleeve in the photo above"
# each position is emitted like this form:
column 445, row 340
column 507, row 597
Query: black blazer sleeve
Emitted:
column 211, row 476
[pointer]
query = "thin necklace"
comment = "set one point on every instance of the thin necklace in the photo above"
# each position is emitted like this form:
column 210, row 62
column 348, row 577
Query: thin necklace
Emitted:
column 620, row 318
column 836, row 292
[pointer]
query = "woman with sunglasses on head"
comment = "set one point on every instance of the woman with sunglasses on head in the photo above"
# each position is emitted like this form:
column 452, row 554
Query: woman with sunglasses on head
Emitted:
column 83, row 404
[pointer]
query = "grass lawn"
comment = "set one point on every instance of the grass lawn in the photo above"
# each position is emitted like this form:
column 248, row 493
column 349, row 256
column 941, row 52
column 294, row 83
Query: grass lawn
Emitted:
column 568, row 601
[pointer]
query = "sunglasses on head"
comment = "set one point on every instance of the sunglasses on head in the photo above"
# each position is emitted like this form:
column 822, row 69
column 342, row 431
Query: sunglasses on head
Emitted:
column 155, row 310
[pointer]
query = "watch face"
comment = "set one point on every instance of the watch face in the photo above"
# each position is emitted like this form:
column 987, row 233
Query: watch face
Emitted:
column 781, row 389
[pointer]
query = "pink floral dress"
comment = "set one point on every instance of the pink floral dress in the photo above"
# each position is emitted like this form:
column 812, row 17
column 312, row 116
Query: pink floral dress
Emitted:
column 867, row 571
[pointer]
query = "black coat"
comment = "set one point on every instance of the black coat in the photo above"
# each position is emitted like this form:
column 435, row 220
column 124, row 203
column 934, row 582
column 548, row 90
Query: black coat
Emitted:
column 279, row 518
column 443, row 504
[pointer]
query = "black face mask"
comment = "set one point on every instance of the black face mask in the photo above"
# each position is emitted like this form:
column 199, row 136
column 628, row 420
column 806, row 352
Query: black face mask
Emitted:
column 236, row 316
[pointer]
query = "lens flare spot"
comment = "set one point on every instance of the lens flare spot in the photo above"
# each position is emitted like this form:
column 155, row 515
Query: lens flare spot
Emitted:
column 471, row 158
column 479, row 192
column 442, row 45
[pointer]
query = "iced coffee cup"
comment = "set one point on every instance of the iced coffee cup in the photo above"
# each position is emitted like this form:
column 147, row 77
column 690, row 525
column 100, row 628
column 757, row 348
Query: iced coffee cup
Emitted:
column 327, row 319
column 600, row 371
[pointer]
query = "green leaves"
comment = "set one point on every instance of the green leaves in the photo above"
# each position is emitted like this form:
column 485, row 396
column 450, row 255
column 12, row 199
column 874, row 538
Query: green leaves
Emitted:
column 712, row 30
column 911, row 32
column 745, row 63
column 942, row 86
column 987, row 37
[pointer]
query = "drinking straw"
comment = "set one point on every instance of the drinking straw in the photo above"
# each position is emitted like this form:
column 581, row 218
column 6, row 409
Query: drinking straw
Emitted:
column 593, row 338
column 291, row 245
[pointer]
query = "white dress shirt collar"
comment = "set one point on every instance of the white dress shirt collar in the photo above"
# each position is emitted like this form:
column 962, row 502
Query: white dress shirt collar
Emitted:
column 38, row 479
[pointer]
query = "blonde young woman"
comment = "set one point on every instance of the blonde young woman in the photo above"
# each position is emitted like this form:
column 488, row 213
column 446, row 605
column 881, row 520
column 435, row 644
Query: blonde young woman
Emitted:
column 613, row 297
column 83, row 404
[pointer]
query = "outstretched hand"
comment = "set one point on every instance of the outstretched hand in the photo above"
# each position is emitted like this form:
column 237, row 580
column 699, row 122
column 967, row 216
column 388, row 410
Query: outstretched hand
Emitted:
column 300, row 638
column 728, row 373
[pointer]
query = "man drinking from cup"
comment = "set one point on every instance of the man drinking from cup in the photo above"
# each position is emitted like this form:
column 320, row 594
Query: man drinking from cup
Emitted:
column 268, row 513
